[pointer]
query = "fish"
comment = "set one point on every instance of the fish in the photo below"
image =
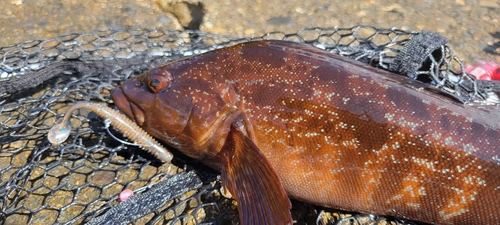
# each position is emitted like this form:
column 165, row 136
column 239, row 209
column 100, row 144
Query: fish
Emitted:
column 285, row 120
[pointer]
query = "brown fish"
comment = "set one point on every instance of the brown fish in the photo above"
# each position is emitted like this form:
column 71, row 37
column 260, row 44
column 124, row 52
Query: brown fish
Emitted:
column 281, row 118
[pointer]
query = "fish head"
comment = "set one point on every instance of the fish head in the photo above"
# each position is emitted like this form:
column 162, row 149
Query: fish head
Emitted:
column 151, row 101
column 172, row 104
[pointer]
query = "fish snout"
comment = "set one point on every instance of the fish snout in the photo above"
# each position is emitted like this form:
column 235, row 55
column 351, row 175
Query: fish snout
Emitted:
column 130, row 109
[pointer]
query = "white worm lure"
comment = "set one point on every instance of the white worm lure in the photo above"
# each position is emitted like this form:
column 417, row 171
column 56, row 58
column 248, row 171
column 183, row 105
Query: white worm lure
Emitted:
column 60, row 131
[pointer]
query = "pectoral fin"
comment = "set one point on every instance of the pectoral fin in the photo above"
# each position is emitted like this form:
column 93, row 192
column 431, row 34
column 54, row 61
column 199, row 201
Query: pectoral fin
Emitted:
column 248, row 175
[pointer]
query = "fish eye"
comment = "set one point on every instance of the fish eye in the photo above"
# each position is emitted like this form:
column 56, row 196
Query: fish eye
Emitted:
column 155, row 83
column 159, row 80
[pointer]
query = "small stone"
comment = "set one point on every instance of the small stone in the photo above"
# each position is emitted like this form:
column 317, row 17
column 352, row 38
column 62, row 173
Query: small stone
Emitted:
column 489, row 3
column 279, row 21
column 17, row 2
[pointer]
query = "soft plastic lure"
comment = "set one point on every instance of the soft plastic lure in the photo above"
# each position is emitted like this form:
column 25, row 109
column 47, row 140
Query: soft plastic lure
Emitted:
column 60, row 131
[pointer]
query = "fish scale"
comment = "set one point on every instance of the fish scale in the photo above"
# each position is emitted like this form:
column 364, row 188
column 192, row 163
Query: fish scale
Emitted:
column 278, row 116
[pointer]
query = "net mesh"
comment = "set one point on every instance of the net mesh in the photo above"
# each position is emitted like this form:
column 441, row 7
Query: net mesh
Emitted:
column 80, row 180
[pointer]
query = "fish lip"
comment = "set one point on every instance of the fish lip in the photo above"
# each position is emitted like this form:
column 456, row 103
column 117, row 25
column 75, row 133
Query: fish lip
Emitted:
column 127, row 107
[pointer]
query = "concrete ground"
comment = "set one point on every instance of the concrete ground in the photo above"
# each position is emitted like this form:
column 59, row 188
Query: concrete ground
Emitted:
column 472, row 26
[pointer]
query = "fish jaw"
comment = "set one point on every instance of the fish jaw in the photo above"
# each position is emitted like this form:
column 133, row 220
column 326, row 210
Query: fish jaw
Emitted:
column 128, row 108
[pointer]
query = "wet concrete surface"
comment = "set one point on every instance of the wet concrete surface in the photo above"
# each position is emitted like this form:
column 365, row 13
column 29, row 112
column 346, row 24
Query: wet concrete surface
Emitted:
column 472, row 26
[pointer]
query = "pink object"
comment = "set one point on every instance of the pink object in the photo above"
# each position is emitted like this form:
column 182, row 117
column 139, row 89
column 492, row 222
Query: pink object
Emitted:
column 126, row 194
column 484, row 70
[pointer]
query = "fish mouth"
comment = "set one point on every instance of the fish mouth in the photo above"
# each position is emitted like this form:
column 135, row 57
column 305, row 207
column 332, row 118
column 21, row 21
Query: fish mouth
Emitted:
column 127, row 107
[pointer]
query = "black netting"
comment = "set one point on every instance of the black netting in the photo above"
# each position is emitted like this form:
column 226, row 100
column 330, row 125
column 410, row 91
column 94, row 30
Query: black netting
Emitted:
column 80, row 180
